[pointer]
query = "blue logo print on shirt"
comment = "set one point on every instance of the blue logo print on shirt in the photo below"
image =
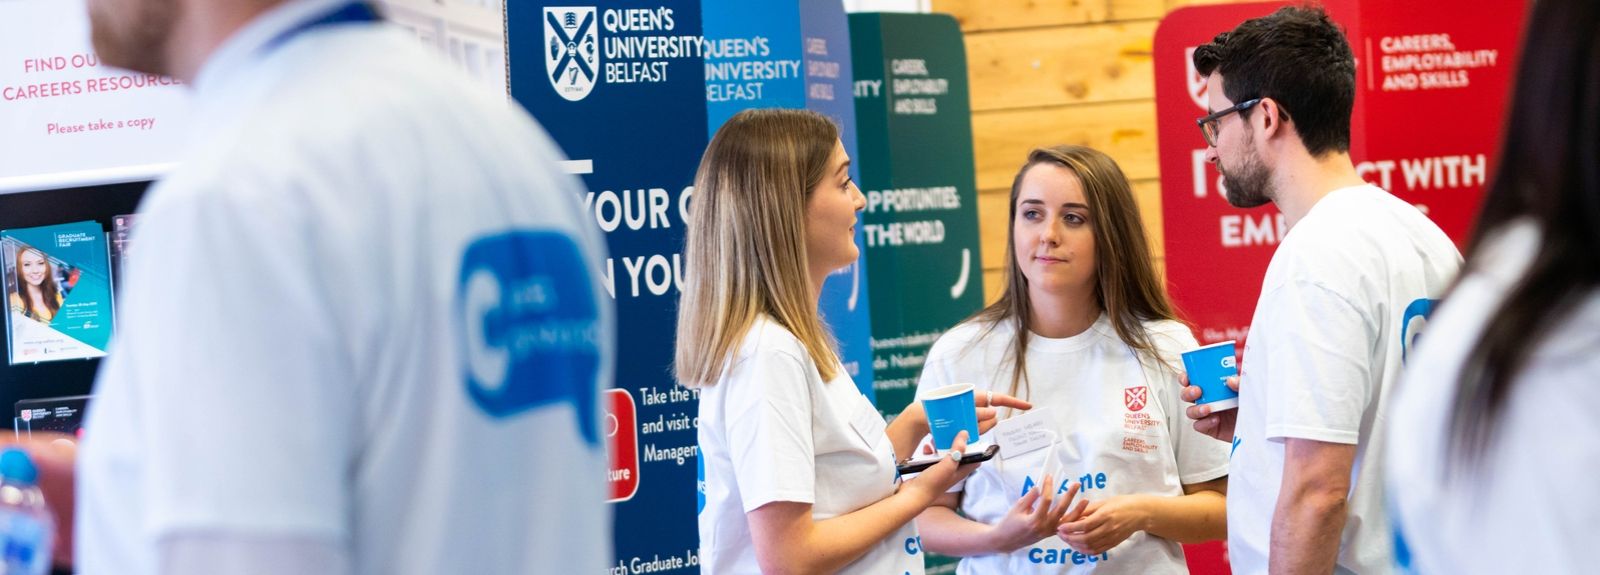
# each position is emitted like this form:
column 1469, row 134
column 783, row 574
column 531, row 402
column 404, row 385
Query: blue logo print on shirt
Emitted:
column 530, row 328
column 1418, row 310
column 699, row 483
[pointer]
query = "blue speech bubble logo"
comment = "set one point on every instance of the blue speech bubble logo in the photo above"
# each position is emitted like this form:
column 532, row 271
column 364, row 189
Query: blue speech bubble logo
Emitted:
column 530, row 326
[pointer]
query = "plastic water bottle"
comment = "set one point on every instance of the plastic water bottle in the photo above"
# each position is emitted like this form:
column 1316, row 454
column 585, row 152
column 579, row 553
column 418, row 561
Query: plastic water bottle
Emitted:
column 27, row 528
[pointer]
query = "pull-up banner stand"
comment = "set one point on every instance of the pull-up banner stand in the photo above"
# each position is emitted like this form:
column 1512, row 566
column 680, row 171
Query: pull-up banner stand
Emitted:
column 826, row 55
column 921, row 223
column 789, row 54
column 632, row 94
column 621, row 88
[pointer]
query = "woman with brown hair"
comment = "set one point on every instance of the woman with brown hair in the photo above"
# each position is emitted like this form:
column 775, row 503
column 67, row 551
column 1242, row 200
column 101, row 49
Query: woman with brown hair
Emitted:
column 1085, row 332
column 799, row 466
column 37, row 296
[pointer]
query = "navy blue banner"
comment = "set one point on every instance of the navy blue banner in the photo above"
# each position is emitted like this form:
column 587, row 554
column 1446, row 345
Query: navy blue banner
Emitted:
column 621, row 87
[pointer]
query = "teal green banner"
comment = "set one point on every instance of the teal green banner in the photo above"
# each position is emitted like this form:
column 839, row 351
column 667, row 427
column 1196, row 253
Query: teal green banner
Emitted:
column 914, row 122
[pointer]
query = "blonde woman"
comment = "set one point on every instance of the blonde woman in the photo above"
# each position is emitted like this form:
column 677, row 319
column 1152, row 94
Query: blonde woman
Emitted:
column 1085, row 332
column 800, row 467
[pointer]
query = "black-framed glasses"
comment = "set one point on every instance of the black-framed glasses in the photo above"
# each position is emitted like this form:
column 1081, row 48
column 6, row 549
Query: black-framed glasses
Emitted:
column 1209, row 123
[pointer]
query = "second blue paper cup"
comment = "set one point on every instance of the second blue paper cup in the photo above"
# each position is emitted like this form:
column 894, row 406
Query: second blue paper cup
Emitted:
column 951, row 409
column 1209, row 367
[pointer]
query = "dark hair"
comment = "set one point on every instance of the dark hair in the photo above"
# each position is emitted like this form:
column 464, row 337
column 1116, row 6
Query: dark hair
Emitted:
column 1126, row 284
column 1298, row 57
column 1549, row 174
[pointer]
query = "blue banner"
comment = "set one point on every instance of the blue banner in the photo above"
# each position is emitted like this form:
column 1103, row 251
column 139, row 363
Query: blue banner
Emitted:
column 752, row 57
column 829, row 81
column 788, row 54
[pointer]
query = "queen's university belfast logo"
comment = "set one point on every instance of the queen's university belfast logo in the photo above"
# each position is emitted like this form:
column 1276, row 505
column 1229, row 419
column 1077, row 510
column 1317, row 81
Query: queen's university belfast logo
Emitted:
column 572, row 57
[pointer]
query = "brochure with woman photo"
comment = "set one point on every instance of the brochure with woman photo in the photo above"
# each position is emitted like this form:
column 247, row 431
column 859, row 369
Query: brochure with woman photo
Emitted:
column 58, row 292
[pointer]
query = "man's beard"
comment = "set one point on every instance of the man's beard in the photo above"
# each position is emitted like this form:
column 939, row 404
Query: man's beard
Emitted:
column 137, row 38
column 1250, row 185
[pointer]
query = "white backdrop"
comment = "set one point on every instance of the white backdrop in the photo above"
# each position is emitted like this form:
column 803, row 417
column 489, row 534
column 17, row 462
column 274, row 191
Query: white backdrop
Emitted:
column 67, row 121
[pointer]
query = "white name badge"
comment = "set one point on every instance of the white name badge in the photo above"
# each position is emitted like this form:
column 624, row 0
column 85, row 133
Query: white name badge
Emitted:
column 1025, row 432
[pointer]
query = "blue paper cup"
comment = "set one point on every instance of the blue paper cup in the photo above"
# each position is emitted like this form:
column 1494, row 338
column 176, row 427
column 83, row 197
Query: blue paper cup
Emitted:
column 951, row 409
column 1209, row 367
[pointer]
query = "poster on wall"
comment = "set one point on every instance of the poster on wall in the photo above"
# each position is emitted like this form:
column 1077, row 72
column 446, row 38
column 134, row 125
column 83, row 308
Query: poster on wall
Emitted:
column 914, row 119
column 621, row 88
column 1432, row 80
column 68, row 120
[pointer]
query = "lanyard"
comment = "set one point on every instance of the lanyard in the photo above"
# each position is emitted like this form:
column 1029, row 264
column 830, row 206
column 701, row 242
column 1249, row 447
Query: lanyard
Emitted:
column 351, row 13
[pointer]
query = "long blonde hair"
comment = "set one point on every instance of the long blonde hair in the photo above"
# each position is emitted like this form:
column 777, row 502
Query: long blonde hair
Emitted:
column 1126, row 285
column 745, row 249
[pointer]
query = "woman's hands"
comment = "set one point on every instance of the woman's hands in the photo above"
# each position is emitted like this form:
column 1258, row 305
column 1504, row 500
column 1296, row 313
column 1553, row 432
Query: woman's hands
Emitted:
column 1105, row 524
column 1037, row 515
column 934, row 481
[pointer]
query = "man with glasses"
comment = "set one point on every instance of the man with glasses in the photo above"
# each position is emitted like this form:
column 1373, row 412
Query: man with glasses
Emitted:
column 1331, row 325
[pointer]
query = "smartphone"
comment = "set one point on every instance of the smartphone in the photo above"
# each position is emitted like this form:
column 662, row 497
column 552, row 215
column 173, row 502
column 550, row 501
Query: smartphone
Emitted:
column 918, row 465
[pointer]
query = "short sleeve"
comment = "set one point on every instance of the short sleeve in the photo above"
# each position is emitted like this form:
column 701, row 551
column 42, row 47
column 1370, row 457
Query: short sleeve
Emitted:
column 769, row 409
column 1200, row 457
column 243, row 387
column 1319, row 372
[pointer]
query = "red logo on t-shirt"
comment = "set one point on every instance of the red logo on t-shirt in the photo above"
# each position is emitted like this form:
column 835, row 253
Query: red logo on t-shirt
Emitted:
column 1136, row 397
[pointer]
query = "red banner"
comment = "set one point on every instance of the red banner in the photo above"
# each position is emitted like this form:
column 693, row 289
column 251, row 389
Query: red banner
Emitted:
column 1432, row 82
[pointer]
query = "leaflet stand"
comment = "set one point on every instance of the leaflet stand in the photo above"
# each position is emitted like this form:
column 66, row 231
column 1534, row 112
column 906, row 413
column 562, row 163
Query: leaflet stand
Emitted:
column 39, row 208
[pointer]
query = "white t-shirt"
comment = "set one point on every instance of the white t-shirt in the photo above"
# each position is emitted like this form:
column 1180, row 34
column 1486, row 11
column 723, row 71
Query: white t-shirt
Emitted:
column 1531, row 498
column 1325, row 347
column 1120, row 426
column 772, row 430
column 330, row 340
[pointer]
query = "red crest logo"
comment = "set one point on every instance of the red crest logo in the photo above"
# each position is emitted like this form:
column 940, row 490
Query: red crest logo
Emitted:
column 1136, row 397
column 1198, row 88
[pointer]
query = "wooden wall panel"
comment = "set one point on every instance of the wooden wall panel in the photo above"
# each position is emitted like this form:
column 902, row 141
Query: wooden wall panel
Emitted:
column 1061, row 65
column 989, row 15
column 1176, row 4
column 1125, row 130
column 993, row 283
column 993, row 212
column 1148, row 194
column 1136, row 9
